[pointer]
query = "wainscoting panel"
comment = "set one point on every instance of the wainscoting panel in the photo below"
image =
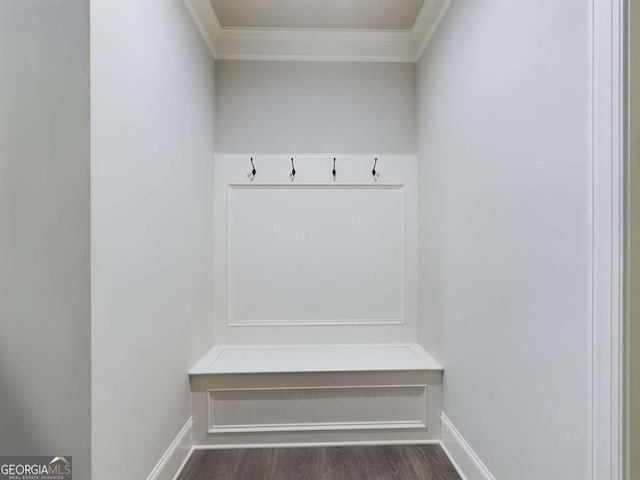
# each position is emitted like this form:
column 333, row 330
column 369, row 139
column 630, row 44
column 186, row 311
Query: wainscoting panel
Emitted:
column 337, row 256
column 317, row 407
column 315, row 255
column 306, row 409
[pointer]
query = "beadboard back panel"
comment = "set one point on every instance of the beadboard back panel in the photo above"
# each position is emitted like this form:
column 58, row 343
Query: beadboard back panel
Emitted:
column 307, row 258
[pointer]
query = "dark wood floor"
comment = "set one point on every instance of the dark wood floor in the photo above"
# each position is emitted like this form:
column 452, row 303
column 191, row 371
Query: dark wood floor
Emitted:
column 419, row 462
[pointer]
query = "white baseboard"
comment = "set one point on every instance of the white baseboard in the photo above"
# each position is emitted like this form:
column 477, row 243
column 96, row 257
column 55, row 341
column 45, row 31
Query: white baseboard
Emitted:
column 173, row 460
column 242, row 446
column 466, row 461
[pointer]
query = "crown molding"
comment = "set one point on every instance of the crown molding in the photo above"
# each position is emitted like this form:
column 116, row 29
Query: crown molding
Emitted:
column 427, row 22
column 315, row 45
column 207, row 22
column 321, row 45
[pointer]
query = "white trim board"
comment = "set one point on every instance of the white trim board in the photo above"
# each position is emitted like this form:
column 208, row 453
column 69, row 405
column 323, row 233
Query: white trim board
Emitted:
column 176, row 456
column 319, row 45
column 606, row 157
column 464, row 459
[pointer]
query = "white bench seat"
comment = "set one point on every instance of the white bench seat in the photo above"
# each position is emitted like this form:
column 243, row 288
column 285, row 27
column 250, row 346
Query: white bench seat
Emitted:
column 314, row 358
column 287, row 395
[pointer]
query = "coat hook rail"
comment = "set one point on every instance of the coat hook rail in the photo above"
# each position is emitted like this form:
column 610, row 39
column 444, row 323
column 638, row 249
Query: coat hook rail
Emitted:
column 375, row 172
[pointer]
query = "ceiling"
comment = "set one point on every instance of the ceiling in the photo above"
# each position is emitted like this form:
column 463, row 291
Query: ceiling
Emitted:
column 318, row 14
column 317, row 30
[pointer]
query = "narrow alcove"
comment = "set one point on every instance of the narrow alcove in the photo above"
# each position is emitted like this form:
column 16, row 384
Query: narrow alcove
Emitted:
column 459, row 296
column 316, row 271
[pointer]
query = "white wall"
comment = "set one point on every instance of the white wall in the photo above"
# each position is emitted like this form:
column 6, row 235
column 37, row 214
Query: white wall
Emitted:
column 45, row 376
column 152, row 120
column 315, row 107
column 634, row 293
column 503, row 152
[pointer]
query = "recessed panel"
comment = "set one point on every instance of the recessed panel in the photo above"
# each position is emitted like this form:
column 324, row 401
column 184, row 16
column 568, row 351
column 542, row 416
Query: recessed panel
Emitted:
column 293, row 409
column 315, row 255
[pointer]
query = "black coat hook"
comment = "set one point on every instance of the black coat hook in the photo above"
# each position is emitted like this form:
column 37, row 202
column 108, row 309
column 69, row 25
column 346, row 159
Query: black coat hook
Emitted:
column 252, row 174
column 333, row 172
column 293, row 170
column 374, row 172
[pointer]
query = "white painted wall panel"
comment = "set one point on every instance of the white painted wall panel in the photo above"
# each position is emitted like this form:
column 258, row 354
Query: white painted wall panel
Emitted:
column 307, row 409
column 338, row 257
column 327, row 254
column 302, row 408
column 152, row 129
column 276, row 107
column 504, row 221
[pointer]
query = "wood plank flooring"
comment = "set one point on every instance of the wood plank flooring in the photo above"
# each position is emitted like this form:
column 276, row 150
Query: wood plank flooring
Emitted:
column 401, row 462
